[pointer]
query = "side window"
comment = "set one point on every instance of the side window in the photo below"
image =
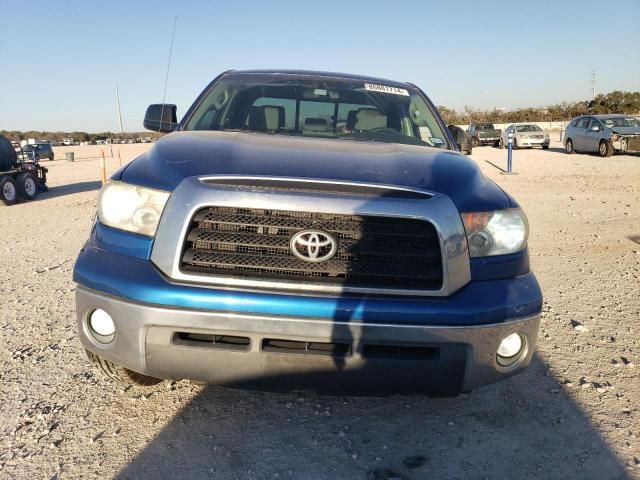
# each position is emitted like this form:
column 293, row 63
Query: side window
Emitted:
column 289, row 106
column 582, row 123
column 594, row 123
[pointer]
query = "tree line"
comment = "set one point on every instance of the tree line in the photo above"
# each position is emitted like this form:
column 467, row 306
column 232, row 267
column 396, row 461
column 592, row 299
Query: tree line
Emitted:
column 614, row 102
column 17, row 135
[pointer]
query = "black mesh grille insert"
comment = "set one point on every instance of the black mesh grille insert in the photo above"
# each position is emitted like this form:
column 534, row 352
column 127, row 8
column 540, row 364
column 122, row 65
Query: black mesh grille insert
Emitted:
column 377, row 252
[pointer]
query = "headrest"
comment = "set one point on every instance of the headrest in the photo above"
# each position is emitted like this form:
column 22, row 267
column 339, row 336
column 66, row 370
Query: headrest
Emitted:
column 267, row 117
column 315, row 125
column 368, row 119
column 351, row 120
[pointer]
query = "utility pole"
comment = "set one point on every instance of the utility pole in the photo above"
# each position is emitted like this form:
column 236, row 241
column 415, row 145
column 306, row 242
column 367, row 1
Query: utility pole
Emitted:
column 593, row 85
column 119, row 113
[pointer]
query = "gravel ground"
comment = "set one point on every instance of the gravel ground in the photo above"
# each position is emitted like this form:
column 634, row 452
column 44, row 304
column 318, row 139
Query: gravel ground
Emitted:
column 573, row 414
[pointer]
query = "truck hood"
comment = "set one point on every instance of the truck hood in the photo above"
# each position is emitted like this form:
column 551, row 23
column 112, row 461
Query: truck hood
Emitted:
column 185, row 154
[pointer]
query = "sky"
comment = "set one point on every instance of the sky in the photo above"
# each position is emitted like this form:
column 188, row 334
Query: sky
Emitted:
column 64, row 57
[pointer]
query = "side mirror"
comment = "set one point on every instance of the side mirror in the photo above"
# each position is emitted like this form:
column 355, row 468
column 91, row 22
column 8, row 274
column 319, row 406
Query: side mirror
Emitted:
column 161, row 117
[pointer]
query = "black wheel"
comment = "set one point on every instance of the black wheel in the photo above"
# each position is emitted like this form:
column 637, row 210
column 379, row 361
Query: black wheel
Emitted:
column 500, row 143
column 37, row 158
column 515, row 144
column 568, row 146
column 51, row 157
column 8, row 191
column 121, row 374
column 545, row 147
column 605, row 149
column 496, row 143
column 27, row 186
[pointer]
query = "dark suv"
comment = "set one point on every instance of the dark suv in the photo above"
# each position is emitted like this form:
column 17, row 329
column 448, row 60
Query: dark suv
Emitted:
column 40, row 151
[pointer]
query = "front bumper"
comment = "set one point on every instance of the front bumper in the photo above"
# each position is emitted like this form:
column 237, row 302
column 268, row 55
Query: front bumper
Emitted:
column 437, row 346
column 383, row 358
column 533, row 142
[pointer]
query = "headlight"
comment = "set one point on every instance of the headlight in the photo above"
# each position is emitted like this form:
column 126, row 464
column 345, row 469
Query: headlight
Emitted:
column 131, row 208
column 496, row 233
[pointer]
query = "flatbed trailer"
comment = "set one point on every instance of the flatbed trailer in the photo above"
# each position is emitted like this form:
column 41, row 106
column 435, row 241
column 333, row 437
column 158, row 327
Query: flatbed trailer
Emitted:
column 22, row 182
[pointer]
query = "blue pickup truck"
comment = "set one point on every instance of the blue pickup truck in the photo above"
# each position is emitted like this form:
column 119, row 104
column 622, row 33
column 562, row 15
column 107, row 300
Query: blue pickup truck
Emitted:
column 307, row 230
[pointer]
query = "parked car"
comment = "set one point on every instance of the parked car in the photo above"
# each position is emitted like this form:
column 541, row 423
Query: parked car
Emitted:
column 484, row 134
column 261, row 245
column 464, row 142
column 40, row 151
column 604, row 134
column 525, row 135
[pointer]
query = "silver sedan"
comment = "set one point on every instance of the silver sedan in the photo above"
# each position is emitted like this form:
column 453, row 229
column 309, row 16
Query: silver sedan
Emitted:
column 525, row 135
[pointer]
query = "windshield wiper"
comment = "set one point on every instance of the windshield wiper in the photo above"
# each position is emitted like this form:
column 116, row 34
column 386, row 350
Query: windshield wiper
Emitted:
column 247, row 130
column 360, row 138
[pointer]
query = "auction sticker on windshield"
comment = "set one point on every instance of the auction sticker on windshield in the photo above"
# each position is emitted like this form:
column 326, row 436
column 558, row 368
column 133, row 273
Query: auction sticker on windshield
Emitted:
column 373, row 87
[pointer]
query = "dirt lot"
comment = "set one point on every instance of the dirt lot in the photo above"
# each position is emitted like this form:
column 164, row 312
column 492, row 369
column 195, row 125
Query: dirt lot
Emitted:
column 573, row 414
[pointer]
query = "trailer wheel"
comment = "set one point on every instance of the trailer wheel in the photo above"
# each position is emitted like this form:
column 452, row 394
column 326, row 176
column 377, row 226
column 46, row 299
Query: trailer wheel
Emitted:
column 8, row 191
column 120, row 374
column 27, row 186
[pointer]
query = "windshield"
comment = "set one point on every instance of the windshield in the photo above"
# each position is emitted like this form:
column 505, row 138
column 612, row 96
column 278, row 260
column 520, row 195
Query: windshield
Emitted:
column 528, row 128
column 620, row 122
column 317, row 107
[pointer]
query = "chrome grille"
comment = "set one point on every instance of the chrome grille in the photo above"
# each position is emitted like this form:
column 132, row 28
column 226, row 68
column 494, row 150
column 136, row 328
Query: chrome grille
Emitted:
column 372, row 251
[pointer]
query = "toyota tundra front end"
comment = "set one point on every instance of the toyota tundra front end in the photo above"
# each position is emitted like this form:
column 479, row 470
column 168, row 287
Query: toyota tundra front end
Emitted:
column 307, row 230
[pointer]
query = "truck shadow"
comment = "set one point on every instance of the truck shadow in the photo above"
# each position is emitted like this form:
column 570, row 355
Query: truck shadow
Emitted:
column 70, row 189
column 525, row 427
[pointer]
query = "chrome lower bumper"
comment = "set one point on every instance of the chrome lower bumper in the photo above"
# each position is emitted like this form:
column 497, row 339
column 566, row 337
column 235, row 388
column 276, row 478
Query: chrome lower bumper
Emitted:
column 406, row 358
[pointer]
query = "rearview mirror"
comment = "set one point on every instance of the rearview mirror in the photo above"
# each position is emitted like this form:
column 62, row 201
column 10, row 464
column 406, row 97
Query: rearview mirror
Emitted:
column 161, row 117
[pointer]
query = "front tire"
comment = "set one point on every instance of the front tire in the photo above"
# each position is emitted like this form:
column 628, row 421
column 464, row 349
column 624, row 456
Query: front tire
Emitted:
column 568, row 146
column 605, row 149
column 27, row 186
column 8, row 191
column 515, row 144
column 120, row 374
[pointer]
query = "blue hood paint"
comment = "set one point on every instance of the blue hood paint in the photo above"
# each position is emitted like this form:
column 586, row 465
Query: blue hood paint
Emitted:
column 185, row 154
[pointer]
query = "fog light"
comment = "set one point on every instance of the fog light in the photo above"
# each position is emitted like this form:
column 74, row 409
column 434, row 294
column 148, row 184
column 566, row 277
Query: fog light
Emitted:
column 102, row 323
column 510, row 349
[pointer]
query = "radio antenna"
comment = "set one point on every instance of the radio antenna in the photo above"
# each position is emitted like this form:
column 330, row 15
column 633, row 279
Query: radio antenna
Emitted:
column 166, row 78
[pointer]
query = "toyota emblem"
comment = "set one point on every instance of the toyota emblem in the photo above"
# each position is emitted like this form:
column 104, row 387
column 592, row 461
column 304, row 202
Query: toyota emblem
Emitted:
column 313, row 245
